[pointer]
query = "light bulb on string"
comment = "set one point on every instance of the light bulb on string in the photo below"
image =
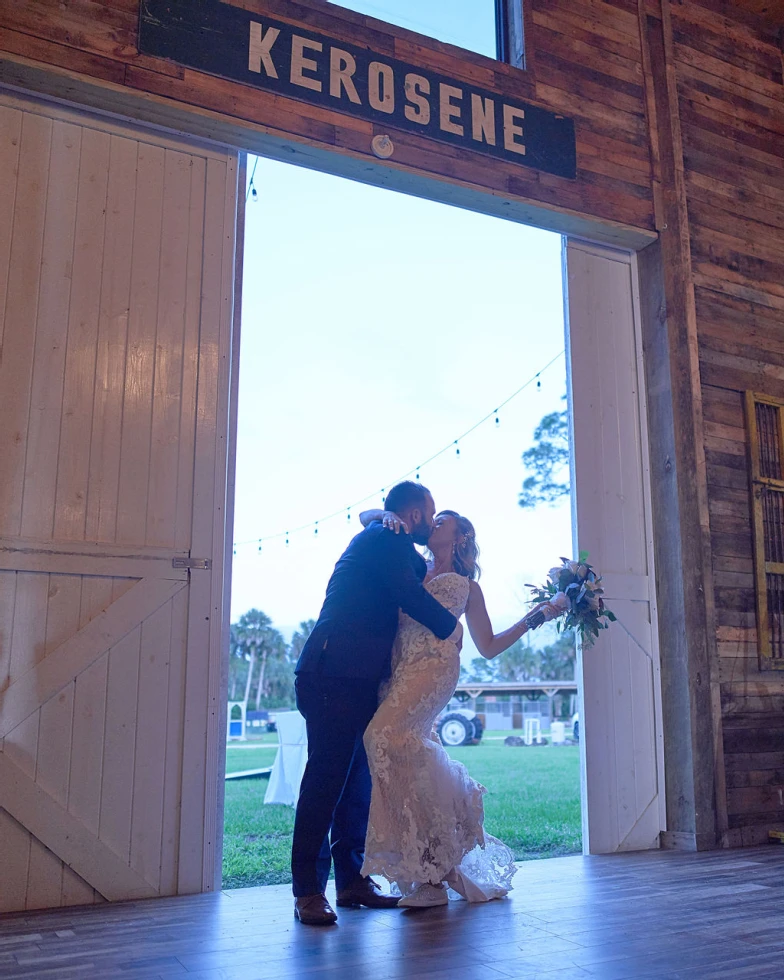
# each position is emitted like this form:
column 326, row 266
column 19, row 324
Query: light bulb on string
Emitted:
column 417, row 472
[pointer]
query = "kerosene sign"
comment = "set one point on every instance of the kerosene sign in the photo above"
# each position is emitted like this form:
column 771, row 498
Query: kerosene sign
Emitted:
column 251, row 48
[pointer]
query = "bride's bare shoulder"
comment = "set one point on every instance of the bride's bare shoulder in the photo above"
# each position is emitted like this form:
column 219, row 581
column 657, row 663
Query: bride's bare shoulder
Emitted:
column 475, row 593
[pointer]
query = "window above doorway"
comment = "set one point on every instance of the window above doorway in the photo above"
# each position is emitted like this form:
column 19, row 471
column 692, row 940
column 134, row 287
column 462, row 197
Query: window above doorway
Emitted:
column 489, row 27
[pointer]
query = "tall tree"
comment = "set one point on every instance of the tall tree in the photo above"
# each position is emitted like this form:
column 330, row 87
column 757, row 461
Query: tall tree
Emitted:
column 299, row 637
column 523, row 664
column 558, row 659
column 238, row 665
column 255, row 641
column 483, row 671
column 253, row 636
column 519, row 663
column 547, row 461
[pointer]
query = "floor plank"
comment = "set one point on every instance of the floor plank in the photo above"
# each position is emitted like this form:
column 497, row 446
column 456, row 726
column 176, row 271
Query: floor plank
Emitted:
column 718, row 915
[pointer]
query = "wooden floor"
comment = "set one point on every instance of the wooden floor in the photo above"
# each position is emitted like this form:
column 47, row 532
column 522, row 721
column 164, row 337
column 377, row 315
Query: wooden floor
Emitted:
column 662, row 915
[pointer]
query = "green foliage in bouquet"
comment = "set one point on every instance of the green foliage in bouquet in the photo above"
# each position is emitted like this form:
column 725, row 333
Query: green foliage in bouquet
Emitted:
column 587, row 613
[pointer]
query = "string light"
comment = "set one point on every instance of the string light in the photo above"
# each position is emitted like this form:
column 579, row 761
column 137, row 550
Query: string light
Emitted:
column 251, row 186
column 415, row 472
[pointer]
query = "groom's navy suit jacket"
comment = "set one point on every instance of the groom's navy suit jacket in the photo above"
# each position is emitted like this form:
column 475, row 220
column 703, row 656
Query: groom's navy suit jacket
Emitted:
column 378, row 574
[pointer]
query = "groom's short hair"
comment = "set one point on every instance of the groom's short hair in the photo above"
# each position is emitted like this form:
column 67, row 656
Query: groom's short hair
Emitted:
column 403, row 496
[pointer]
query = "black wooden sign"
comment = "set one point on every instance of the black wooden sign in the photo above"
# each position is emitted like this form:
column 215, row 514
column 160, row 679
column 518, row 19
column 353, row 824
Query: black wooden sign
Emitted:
column 251, row 48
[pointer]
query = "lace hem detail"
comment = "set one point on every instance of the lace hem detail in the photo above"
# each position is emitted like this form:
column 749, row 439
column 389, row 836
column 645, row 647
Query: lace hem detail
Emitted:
column 426, row 812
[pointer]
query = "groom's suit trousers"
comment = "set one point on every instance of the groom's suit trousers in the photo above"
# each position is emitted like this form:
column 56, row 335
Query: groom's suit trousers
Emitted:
column 334, row 800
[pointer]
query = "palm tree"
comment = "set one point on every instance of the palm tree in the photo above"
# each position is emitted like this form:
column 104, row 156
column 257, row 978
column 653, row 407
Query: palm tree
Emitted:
column 299, row 637
column 251, row 632
column 271, row 647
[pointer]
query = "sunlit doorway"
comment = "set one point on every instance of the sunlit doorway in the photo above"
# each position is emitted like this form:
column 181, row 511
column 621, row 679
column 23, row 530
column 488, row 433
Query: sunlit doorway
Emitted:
column 388, row 337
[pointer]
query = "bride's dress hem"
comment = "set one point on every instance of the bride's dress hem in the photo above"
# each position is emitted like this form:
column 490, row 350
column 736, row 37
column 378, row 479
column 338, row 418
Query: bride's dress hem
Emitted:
column 426, row 812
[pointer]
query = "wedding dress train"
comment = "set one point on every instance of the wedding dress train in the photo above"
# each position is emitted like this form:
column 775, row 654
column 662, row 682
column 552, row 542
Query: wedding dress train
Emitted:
column 426, row 812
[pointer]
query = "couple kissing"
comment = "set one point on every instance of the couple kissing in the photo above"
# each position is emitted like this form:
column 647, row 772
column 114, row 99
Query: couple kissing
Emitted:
column 380, row 795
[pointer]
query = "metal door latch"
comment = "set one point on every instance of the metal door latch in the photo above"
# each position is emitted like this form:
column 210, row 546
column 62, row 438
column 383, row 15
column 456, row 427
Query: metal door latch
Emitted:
column 204, row 563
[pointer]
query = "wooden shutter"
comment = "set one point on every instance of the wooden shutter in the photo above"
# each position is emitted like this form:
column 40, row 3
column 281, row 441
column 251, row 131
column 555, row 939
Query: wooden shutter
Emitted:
column 766, row 467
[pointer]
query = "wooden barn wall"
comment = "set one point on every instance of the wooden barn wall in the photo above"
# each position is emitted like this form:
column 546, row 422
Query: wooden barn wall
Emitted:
column 586, row 59
column 586, row 64
column 731, row 101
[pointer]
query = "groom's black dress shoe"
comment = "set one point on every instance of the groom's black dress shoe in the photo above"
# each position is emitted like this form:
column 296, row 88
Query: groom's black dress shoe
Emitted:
column 366, row 892
column 314, row 910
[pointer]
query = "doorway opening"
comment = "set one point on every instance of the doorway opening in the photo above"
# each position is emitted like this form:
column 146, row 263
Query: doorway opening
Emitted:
column 388, row 337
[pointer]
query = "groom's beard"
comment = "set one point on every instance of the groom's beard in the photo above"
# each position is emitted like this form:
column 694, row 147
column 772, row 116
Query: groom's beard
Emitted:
column 420, row 533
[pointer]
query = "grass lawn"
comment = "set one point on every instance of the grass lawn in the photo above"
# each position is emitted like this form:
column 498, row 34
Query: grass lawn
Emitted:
column 532, row 804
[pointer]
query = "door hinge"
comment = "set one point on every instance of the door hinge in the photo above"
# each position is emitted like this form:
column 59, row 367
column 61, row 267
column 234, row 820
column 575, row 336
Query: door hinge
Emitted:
column 204, row 563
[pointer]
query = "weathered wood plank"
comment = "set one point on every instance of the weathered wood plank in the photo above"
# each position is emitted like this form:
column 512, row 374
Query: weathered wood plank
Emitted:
column 67, row 837
column 46, row 396
column 733, row 80
column 110, row 358
column 569, row 24
column 30, row 689
column 21, row 307
column 79, row 378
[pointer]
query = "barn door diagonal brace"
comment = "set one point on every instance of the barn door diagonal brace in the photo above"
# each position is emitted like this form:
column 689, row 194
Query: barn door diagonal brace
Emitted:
column 67, row 837
column 34, row 688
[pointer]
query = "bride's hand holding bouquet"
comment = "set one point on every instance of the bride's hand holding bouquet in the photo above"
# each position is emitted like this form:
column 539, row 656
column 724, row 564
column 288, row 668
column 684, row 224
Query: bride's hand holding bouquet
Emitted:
column 552, row 607
column 582, row 603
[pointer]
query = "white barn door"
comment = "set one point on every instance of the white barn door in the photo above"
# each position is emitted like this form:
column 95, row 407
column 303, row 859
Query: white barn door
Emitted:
column 116, row 292
column 620, row 730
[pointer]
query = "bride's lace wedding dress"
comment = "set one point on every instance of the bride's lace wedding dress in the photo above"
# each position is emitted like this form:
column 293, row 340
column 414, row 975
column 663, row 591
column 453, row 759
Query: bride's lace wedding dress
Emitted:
column 426, row 813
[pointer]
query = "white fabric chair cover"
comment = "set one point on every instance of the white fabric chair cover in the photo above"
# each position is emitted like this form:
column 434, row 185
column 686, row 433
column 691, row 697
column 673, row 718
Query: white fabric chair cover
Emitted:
column 289, row 764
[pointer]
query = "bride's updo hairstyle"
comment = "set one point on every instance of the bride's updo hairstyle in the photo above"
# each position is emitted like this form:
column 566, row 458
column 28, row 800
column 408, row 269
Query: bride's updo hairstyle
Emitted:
column 465, row 557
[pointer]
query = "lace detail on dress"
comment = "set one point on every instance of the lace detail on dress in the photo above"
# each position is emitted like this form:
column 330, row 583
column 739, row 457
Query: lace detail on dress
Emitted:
column 426, row 813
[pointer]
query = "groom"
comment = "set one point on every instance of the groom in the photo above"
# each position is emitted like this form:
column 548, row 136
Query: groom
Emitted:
column 343, row 662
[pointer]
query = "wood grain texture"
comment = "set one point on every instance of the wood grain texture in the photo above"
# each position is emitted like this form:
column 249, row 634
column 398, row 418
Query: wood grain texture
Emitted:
column 98, row 486
column 731, row 101
column 688, row 139
column 576, row 47
column 661, row 916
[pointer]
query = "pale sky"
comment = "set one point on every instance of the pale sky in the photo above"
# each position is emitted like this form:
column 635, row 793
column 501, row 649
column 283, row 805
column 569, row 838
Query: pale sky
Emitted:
column 469, row 24
column 376, row 329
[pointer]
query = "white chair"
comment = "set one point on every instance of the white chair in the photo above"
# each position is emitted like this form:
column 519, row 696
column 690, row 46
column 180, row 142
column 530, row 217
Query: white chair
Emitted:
column 532, row 731
column 289, row 764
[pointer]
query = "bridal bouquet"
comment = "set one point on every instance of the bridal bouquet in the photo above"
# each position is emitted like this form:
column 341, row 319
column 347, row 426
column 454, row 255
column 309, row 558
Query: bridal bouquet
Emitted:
column 587, row 613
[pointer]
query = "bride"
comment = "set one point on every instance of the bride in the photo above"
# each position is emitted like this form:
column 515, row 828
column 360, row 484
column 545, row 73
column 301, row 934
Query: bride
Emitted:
column 426, row 828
